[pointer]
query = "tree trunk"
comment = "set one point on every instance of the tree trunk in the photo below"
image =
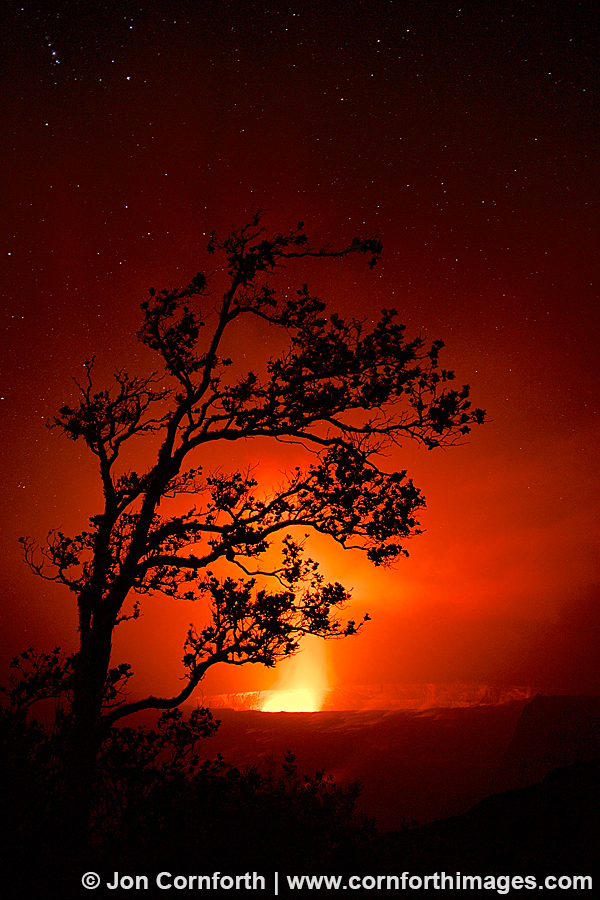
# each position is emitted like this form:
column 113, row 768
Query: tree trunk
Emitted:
column 85, row 734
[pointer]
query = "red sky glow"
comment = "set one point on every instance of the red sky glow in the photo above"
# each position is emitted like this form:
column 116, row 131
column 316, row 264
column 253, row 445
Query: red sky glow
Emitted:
column 466, row 134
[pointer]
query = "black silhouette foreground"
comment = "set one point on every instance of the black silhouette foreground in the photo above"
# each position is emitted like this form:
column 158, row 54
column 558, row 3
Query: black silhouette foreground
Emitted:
column 156, row 800
column 159, row 805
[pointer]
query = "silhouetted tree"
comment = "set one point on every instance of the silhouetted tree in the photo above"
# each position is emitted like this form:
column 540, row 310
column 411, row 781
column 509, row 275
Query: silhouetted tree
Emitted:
column 336, row 389
column 138, row 772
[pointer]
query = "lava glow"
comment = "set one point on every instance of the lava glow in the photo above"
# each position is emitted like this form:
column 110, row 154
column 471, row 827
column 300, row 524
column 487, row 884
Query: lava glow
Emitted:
column 297, row 700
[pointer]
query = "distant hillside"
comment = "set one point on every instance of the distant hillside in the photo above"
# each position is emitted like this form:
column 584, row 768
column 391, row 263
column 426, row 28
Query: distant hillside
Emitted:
column 422, row 764
column 548, row 828
column 551, row 732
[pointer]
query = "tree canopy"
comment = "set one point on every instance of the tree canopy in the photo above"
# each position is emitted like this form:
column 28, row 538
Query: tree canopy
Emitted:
column 339, row 392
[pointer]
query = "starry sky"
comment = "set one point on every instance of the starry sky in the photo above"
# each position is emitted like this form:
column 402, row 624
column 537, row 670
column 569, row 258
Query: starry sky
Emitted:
column 466, row 134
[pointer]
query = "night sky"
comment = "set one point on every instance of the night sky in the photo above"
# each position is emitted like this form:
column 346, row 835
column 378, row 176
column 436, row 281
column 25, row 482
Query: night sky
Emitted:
column 466, row 134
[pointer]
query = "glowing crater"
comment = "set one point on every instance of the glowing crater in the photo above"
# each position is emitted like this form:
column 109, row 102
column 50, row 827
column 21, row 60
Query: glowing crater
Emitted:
column 297, row 700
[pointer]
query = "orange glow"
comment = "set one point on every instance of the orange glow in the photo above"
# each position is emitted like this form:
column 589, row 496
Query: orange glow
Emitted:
column 302, row 680
column 493, row 252
column 297, row 700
